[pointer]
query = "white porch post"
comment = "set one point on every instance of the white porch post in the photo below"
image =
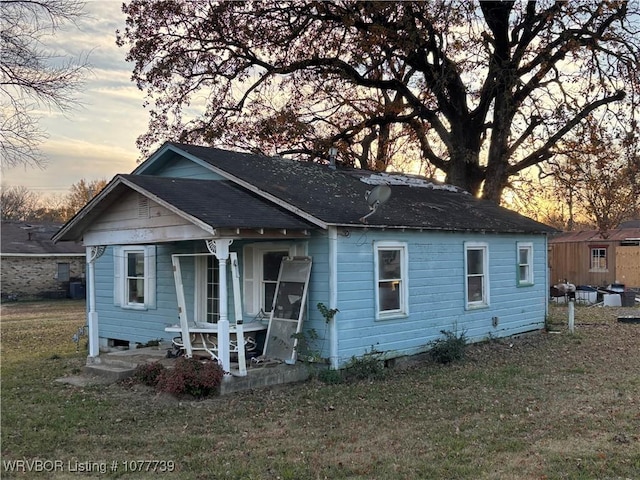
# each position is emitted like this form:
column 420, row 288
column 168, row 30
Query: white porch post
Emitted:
column 220, row 248
column 92, row 253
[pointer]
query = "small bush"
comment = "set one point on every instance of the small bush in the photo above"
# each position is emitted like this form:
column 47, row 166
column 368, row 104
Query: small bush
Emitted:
column 367, row 367
column 449, row 349
column 330, row 377
column 191, row 377
column 148, row 373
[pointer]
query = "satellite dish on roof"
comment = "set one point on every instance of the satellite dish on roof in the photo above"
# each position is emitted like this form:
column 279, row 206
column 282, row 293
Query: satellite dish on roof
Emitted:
column 376, row 197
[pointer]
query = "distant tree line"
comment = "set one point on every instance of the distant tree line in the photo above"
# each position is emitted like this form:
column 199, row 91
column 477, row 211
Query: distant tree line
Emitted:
column 18, row 203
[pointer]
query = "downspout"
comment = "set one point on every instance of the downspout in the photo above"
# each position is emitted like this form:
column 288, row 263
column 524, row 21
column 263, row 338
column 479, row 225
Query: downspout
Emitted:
column 333, row 296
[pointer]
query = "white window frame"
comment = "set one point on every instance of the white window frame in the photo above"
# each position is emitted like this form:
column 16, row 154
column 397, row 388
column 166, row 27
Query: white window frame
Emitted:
column 402, row 282
column 484, row 301
column 598, row 268
column 120, row 294
column 528, row 246
column 252, row 270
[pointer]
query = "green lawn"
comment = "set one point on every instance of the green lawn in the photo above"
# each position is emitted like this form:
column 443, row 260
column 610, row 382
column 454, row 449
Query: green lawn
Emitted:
column 545, row 406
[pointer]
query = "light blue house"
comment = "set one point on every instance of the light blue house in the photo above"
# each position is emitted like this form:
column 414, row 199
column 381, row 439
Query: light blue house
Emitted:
column 430, row 258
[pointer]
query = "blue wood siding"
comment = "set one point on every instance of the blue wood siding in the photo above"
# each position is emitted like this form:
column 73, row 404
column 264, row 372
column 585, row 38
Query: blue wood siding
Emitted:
column 115, row 322
column 181, row 167
column 436, row 285
column 141, row 326
column 318, row 250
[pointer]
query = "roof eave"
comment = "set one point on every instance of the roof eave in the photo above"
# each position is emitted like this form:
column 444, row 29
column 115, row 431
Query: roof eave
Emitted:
column 422, row 228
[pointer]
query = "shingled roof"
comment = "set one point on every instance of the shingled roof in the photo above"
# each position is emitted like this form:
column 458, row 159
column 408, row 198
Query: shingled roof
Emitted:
column 259, row 192
column 337, row 196
column 220, row 204
column 22, row 238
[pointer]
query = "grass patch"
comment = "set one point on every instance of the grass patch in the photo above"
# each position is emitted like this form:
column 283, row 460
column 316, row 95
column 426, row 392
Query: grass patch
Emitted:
column 541, row 406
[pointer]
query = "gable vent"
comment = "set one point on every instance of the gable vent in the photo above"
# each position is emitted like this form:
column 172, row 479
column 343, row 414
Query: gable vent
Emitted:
column 143, row 207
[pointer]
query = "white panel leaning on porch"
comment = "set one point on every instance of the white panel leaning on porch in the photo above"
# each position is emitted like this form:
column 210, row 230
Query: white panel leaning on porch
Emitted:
column 237, row 308
column 288, row 309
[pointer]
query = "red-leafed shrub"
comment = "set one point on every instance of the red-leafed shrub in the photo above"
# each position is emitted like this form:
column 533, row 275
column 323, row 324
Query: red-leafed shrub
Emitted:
column 148, row 373
column 191, row 377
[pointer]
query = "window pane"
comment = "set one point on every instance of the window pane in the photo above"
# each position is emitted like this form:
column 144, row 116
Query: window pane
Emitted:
column 389, row 264
column 136, row 290
column 474, row 262
column 269, row 292
column 135, row 264
column 271, row 265
column 270, row 269
column 389, row 295
column 524, row 256
column 524, row 273
column 213, row 290
column 474, row 288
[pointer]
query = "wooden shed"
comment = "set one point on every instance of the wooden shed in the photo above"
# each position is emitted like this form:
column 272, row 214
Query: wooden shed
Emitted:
column 592, row 258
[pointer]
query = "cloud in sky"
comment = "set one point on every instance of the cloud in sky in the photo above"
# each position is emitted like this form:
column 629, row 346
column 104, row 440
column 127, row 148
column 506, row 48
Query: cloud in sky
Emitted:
column 97, row 138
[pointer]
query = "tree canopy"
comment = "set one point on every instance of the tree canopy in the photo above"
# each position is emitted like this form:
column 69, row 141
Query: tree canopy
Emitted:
column 478, row 90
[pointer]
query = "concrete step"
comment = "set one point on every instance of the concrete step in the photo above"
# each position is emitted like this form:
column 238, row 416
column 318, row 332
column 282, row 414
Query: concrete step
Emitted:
column 265, row 377
column 112, row 373
column 118, row 362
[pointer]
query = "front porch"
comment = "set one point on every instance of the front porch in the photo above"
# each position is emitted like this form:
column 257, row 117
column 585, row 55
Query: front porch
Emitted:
column 118, row 365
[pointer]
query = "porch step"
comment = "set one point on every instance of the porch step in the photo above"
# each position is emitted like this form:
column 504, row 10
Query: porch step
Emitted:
column 109, row 372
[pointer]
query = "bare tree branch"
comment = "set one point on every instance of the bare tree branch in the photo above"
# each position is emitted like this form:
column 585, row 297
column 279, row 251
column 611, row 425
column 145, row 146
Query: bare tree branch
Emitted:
column 32, row 76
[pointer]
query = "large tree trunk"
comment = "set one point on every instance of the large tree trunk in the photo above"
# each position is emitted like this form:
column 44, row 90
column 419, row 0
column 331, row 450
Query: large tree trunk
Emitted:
column 496, row 15
column 496, row 181
column 465, row 171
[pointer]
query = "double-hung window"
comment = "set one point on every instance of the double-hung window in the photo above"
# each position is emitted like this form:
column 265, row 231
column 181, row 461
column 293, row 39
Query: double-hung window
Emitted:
column 525, row 263
column 391, row 274
column 134, row 276
column 476, row 274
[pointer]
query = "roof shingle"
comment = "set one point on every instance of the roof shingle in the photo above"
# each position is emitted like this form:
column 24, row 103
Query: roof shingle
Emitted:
column 338, row 196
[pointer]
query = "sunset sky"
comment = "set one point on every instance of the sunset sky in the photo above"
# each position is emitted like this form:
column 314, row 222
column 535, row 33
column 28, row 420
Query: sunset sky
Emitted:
column 97, row 139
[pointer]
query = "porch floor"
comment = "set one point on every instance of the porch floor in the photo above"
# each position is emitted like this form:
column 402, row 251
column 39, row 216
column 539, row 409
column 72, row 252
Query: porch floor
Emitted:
column 117, row 365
